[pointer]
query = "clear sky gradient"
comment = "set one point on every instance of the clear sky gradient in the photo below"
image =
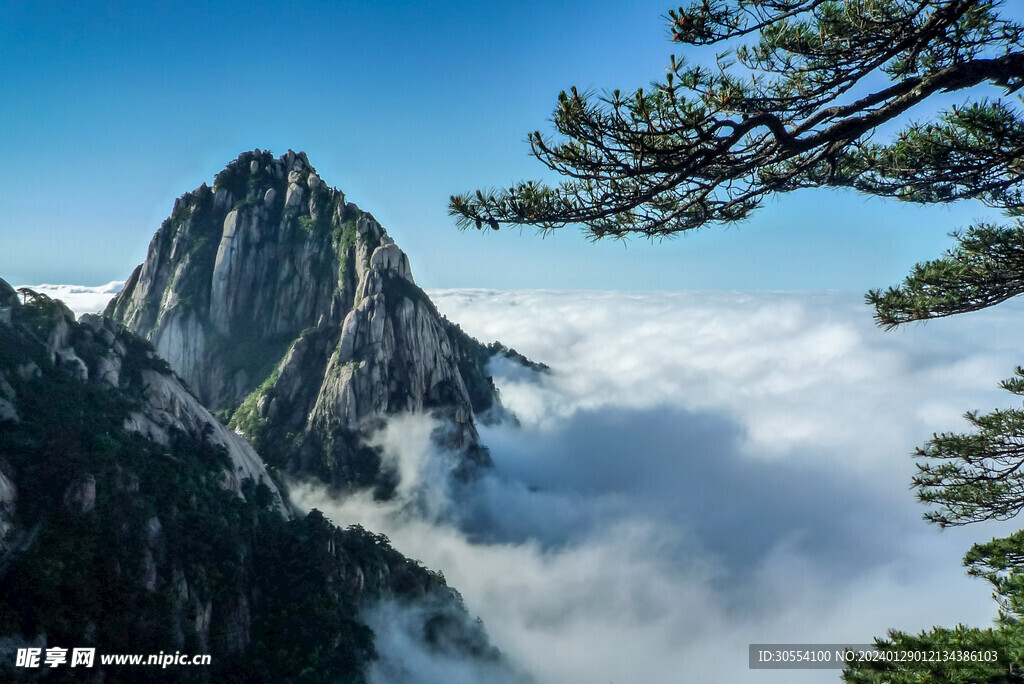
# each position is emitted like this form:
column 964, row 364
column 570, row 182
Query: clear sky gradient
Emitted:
column 111, row 110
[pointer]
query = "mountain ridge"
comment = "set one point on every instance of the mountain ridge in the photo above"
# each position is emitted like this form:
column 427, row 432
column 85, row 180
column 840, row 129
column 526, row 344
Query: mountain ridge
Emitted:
column 293, row 314
column 134, row 521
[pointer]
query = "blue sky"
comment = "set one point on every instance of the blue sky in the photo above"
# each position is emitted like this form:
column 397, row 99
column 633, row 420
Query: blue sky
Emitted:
column 111, row 110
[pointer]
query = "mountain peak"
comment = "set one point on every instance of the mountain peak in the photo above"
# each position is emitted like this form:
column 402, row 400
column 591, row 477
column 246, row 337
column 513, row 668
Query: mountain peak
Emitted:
column 291, row 310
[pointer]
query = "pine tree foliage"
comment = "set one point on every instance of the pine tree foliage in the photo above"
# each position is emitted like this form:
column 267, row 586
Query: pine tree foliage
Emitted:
column 999, row 659
column 794, row 102
column 979, row 475
column 1001, row 562
column 986, row 267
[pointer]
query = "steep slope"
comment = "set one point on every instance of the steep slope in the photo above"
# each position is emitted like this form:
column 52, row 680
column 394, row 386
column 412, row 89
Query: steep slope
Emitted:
column 134, row 522
column 292, row 311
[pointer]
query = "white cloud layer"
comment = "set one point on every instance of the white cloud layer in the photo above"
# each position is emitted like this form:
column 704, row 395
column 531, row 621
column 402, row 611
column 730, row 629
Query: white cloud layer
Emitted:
column 81, row 298
column 699, row 471
column 799, row 371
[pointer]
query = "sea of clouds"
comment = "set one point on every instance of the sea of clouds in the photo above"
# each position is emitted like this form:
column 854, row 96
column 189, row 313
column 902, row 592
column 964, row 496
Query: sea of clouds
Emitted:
column 81, row 298
column 699, row 471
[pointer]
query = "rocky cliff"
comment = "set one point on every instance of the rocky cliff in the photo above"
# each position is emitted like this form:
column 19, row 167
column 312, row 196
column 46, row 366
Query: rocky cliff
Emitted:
column 290, row 310
column 134, row 522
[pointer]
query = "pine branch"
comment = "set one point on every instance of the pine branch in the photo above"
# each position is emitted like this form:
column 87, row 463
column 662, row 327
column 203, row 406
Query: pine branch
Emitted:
column 976, row 476
column 707, row 146
column 986, row 267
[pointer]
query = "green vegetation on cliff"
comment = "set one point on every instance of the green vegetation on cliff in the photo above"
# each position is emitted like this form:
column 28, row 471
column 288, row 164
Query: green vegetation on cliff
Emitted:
column 129, row 545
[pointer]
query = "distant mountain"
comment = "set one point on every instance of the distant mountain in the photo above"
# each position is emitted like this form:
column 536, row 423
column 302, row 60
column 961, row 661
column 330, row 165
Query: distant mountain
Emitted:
column 133, row 521
column 291, row 313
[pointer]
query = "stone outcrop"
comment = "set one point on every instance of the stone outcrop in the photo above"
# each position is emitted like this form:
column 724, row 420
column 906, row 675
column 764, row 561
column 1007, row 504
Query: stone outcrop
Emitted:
column 8, row 296
column 290, row 309
column 96, row 351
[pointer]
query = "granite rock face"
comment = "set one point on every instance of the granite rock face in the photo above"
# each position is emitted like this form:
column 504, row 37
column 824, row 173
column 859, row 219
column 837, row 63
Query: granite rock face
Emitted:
column 288, row 308
column 132, row 519
column 95, row 351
